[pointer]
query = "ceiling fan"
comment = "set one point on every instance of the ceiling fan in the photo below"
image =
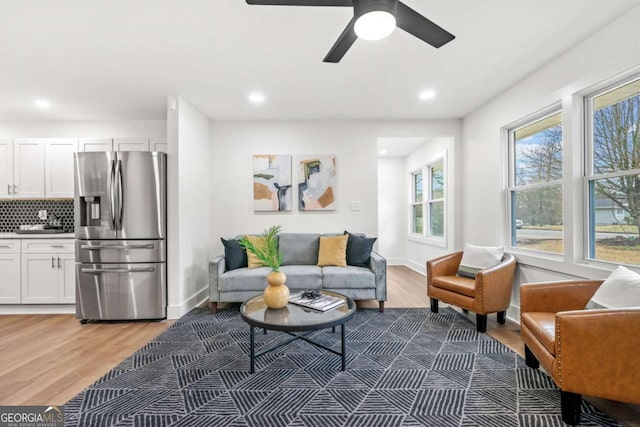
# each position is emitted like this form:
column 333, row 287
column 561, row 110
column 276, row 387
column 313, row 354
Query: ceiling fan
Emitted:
column 373, row 20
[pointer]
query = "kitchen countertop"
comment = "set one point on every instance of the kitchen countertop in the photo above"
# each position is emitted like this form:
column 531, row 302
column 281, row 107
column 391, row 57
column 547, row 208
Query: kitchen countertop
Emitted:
column 37, row 236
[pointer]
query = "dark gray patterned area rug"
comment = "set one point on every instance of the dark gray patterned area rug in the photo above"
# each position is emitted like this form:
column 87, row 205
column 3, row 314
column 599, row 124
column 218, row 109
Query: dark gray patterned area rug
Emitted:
column 406, row 367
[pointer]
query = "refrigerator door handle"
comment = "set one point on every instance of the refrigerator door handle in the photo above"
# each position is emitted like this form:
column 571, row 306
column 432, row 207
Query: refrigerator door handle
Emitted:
column 111, row 191
column 117, row 270
column 120, row 193
column 121, row 248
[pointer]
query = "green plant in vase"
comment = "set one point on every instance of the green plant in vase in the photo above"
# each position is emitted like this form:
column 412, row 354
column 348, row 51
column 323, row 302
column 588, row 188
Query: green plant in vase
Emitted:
column 265, row 250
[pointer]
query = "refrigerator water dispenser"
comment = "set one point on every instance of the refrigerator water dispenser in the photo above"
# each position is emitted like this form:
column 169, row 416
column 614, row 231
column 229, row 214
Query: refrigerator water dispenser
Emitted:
column 90, row 211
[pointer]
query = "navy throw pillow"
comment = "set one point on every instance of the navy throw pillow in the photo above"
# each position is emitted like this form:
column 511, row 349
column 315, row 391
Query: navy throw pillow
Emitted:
column 359, row 250
column 235, row 256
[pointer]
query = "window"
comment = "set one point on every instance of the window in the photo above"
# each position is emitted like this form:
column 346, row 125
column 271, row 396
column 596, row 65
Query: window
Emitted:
column 535, row 184
column 436, row 200
column 417, row 217
column 613, row 174
column 428, row 201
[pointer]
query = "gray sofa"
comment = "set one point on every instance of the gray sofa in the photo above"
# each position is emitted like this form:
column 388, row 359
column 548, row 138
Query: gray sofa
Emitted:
column 300, row 256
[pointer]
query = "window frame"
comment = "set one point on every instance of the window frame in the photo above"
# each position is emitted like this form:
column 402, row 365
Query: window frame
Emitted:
column 427, row 200
column 512, row 188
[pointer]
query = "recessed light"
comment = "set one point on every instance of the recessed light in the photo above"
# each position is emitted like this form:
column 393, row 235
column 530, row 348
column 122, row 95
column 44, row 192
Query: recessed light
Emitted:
column 427, row 94
column 257, row 98
column 42, row 103
column 383, row 152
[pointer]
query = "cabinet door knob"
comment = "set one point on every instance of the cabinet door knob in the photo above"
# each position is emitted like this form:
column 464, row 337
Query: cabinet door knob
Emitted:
column 8, row 189
column 58, row 262
column 53, row 262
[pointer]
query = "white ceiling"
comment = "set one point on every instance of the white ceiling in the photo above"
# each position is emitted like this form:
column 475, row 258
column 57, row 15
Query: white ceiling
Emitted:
column 119, row 59
column 399, row 147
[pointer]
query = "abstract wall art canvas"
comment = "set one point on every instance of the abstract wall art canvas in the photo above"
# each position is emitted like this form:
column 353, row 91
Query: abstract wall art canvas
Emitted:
column 316, row 182
column 272, row 190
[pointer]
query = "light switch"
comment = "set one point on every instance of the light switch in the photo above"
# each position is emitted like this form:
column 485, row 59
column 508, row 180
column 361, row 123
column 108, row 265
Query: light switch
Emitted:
column 355, row 206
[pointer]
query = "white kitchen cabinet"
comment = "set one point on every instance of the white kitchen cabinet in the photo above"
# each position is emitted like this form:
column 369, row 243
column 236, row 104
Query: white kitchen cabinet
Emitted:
column 59, row 167
column 48, row 272
column 158, row 144
column 39, row 279
column 9, row 272
column 6, row 168
column 67, row 279
column 131, row 144
column 28, row 168
column 96, row 144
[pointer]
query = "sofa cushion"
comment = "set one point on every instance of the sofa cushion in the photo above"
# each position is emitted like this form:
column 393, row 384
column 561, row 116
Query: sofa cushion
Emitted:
column 621, row 289
column 460, row 285
column 299, row 248
column 235, row 256
column 348, row 277
column 359, row 249
column 333, row 251
column 244, row 279
column 303, row 276
column 543, row 326
column 476, row 258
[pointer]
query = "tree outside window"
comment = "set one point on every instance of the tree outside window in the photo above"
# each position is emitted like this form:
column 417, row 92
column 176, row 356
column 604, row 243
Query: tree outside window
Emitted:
column 436, row 200
column 536, row 185
column 417, row 217
column 613, row 174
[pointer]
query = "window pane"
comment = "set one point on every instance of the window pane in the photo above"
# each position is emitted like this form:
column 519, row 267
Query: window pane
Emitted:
column 616, row 129
column 437, row 182
column 417, row 187
column 418, row 219
column 436, row 219
column 538, row 219
column 615, row 216
column 538, row 151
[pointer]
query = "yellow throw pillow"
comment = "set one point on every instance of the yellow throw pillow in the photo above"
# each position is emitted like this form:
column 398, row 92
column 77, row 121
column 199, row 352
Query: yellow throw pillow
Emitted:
column 252, row 260
column 333, row 251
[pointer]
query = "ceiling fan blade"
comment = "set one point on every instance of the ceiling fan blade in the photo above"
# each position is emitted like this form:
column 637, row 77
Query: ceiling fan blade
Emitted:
column 414, row 23
column 342, row 45
column 302, row 2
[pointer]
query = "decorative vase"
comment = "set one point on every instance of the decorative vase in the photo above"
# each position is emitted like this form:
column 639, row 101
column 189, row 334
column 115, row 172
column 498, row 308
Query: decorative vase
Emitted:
column 276, row 295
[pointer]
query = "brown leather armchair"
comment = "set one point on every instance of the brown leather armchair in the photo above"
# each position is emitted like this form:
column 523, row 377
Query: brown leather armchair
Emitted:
column 590, row 352
column 490, row 292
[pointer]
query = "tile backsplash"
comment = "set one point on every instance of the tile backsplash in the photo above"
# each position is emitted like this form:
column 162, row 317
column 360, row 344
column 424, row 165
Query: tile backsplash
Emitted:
column 14, row 213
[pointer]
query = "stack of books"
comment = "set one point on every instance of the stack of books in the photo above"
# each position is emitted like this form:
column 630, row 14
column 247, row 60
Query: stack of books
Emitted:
column 320, row 303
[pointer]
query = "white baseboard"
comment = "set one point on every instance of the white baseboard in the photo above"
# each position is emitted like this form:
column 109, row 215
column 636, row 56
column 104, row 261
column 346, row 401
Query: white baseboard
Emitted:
column 396, row 261
column 38, row 309
column 415, row 266
column 513, row 313
column 177, row 311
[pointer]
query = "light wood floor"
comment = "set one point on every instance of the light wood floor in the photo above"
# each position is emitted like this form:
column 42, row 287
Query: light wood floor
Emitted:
column 47, row 359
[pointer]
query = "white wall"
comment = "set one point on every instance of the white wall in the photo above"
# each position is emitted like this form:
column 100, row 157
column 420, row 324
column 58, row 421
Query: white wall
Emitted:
column 607, row 53
column 82, row 128
column 189, row 185
column 392, row 209
column 234, row 143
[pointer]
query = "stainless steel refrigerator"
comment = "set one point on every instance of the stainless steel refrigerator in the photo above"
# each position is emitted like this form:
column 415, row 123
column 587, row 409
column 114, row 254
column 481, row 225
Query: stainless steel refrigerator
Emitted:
column 120, row 227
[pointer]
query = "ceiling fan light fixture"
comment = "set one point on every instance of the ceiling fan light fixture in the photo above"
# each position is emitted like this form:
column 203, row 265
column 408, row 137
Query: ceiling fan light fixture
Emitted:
column 375, row 25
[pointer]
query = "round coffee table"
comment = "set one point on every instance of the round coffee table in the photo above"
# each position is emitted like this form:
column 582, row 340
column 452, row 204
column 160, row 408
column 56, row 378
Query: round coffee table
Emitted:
column 296, row 321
